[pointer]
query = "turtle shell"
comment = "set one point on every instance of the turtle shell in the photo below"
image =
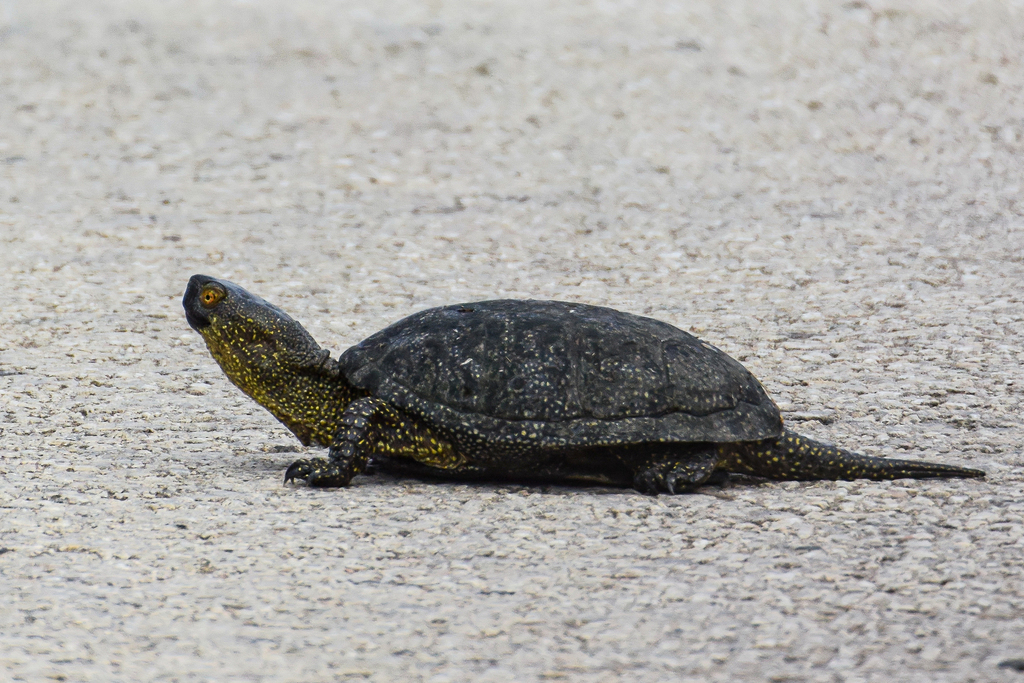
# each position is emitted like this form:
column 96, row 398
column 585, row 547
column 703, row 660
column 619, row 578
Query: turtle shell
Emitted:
column 560, row 374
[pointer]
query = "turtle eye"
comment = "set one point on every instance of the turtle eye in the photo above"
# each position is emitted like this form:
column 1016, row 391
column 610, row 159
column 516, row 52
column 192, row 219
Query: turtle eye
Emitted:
column 211, row 296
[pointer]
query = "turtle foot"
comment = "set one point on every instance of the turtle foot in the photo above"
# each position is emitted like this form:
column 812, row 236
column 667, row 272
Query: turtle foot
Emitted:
column 674, row 476
column 317, row 472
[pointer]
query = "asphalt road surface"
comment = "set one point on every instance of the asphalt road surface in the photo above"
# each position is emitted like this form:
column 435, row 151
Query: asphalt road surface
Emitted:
column 830, row 192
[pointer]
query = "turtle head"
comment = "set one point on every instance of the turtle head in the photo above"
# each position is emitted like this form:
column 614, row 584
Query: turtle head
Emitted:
column 235, row 323
column 263, row 351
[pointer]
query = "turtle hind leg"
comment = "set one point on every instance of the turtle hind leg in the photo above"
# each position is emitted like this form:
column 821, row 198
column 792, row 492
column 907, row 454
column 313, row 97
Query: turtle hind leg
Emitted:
column 796, row 457
column 675, row 472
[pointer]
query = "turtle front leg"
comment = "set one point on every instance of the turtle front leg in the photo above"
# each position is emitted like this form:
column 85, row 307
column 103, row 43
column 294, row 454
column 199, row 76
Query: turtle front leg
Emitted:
column 370, row 426
column 675, row 472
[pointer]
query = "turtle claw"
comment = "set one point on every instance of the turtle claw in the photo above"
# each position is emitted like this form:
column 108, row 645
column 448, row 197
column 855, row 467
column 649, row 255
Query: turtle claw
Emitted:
column 318, row 472
column 301, row 469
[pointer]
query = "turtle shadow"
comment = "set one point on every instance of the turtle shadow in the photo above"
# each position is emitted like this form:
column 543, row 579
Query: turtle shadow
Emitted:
column 377, row 475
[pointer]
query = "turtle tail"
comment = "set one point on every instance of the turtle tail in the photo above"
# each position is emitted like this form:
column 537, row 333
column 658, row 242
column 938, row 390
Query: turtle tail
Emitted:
column 796, row 457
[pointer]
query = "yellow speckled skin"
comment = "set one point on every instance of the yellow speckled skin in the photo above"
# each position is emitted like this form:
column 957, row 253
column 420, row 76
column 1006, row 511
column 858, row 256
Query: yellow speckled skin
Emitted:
column 527, row 390
column 795, row 457
column 273, row 360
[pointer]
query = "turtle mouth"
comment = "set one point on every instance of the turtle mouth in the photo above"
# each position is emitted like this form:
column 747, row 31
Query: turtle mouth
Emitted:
column 195, row 314
column 195, row 322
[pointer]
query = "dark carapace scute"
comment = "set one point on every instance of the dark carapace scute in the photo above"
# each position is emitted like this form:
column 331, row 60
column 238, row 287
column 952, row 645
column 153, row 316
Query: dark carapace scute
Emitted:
column 565, row 373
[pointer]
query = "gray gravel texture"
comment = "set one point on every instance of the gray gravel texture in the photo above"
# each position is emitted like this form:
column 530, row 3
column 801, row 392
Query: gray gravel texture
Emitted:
column 830, row 192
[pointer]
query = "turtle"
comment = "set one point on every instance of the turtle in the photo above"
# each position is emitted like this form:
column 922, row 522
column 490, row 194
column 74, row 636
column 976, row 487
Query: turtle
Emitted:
column 523, row 390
